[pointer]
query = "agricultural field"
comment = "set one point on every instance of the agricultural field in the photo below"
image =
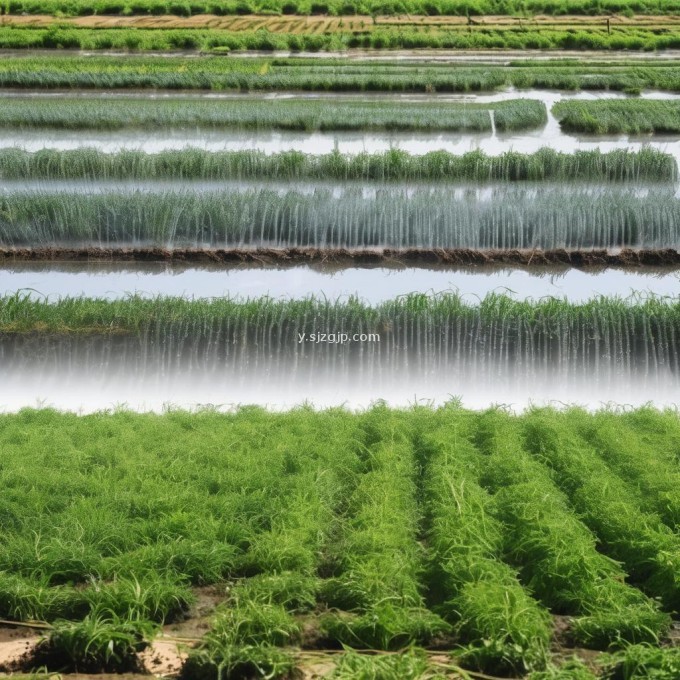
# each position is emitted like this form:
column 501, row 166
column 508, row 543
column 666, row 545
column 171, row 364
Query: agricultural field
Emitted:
column 359, row 366
column 276, row 35
column 240, row 74
column 480, row 9
column 427, row 218
column 619, row 166
column 620, row 117
column 280, row 114
column 152, row 25
column 389, row 544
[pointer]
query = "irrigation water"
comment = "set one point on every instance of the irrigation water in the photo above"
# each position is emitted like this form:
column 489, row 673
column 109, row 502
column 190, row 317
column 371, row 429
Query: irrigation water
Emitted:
column 264, row 352
column 500, row 357
column 493, row 143
column 372, row 285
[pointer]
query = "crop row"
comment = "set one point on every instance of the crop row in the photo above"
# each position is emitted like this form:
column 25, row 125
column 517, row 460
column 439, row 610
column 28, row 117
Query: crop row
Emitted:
column 647, row 165
column 630, row 116
column 339, row 7
column 616, row 337
column 286, row 114
column 504, row 628
column 556, row 552
column 214, row 73
column 509, row 216
column 434, row 527
column 623, row 37
column 608, row 116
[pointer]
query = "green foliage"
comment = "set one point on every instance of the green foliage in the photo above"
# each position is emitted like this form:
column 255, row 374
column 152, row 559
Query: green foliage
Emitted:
column 338, row 7
column 116, row 500
column 573, row 669
column 247, row 622
column 420, row 527
column 285, row 114
column 621, row 165
column 557, row 553
column 621, row 37
column 648, row 549
column 614, row 116
column 506, row 629
column 411, row 665
column 151, row 598
column 653, row 479
column 384, row 626
column 642, row 662
column 94, row 645
column 245, row 74
column 24, row 599
column 61, row 70
column 243, row 661
column 294, row 591
column 245, row 635
column 507, row 216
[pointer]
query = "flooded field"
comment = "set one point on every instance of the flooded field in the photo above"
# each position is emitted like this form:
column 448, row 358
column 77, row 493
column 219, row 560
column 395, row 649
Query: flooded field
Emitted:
column 494, row 143
column 152, row 371
column 372, row 285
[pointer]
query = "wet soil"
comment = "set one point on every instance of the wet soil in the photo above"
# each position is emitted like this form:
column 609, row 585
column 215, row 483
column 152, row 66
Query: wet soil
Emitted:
column 628, row 258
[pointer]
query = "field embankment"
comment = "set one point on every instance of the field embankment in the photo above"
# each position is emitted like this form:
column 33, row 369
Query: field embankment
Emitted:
column 291, row 257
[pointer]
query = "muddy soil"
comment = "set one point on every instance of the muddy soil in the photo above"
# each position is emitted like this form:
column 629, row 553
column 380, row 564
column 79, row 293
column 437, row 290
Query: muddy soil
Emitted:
column 627, row 258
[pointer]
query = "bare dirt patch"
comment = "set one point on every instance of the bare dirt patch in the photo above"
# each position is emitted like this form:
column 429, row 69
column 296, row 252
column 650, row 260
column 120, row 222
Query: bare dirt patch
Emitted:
column 16, row 643
column 163, row 657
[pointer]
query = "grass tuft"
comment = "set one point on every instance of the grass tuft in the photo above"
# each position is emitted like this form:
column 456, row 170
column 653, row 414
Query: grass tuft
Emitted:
column 94, row 645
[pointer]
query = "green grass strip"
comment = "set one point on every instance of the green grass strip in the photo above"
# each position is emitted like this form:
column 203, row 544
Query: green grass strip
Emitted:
column 640, row 662
column 97, row 644
column 652, row 478
column 621, row 37
column 379, row 561
column 507, row 631
column 557, row 553
column 283, row 114
column 643, row 331
column 647, row 548
column 292, row 536
column 225, row 508
column 64, row 70
column 620, row 165
column 336, row 7
column 509, row 216
column 613, row 116
column 658, row 429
